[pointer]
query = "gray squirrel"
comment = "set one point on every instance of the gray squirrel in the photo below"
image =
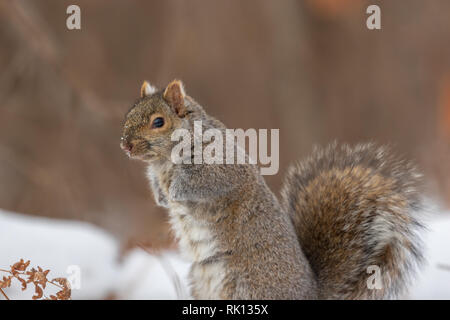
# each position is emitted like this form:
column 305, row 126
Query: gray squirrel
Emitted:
column 343, row 211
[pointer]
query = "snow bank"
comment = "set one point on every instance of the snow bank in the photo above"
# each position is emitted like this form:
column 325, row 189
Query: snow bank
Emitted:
column 56, row 245
column 433, row 281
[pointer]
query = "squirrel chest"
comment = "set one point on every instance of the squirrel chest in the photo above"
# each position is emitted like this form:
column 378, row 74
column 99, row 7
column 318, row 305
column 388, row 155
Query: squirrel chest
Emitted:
column 198, row 244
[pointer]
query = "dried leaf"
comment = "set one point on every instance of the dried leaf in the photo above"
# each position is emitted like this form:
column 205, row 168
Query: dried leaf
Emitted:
column 66, row 292
column 20, row 266
column 38, row 277
column 6, row 282
column 39, row 293
column 23, row 282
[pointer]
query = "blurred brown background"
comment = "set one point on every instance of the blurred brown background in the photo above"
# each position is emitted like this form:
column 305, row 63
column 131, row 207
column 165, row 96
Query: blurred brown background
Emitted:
column 310, row 68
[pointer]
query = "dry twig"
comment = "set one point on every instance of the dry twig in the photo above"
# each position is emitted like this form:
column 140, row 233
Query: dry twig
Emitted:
column 36, row 276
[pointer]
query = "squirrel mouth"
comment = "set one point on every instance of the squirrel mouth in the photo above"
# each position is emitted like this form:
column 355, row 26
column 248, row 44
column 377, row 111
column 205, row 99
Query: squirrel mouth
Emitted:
column 135, row 150
column 141, row 156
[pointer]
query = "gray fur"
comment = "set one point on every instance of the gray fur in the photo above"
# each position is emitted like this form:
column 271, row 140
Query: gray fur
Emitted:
column 372, row 199
column 339, row 214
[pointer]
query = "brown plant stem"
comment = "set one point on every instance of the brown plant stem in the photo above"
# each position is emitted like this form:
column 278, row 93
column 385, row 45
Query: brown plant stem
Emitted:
column 4, row 294
column 51, row 282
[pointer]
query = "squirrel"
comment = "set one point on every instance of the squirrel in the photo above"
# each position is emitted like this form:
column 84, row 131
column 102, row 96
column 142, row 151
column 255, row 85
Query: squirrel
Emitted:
column 343, row 211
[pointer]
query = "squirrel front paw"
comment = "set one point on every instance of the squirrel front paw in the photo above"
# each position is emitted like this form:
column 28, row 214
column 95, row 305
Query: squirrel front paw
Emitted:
column 160, row 198
column 158, row 193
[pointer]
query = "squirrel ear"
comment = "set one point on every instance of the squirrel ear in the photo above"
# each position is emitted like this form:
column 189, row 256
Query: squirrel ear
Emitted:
column 147, row 89
column 174, row 95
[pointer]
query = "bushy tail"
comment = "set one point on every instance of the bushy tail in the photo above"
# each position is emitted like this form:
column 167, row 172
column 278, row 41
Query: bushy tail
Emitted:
column 355, row 213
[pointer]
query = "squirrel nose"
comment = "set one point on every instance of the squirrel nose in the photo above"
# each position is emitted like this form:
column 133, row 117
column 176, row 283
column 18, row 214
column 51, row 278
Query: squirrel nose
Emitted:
column 126, row 146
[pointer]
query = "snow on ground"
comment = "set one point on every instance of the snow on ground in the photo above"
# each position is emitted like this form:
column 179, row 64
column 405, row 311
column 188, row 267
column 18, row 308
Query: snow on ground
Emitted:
column 145, row 276
column 433, row 281
column 57, row 245
column 64, row 246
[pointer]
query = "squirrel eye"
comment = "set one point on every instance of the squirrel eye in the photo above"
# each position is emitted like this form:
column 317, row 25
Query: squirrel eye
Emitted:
column 158, row 122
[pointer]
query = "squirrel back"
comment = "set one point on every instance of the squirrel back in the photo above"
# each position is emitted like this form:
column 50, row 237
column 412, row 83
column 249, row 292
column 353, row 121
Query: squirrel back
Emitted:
column 354, row 210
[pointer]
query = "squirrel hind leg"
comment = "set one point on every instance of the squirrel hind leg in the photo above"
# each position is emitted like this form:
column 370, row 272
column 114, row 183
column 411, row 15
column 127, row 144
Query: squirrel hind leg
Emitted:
column 356, row 215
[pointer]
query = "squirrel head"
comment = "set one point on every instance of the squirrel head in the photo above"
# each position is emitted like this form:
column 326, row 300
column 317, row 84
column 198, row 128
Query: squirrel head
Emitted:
column 150, row 122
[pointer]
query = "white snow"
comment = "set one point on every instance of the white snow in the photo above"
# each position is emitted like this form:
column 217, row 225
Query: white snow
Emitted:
column 57, row 245
column 433, row 281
